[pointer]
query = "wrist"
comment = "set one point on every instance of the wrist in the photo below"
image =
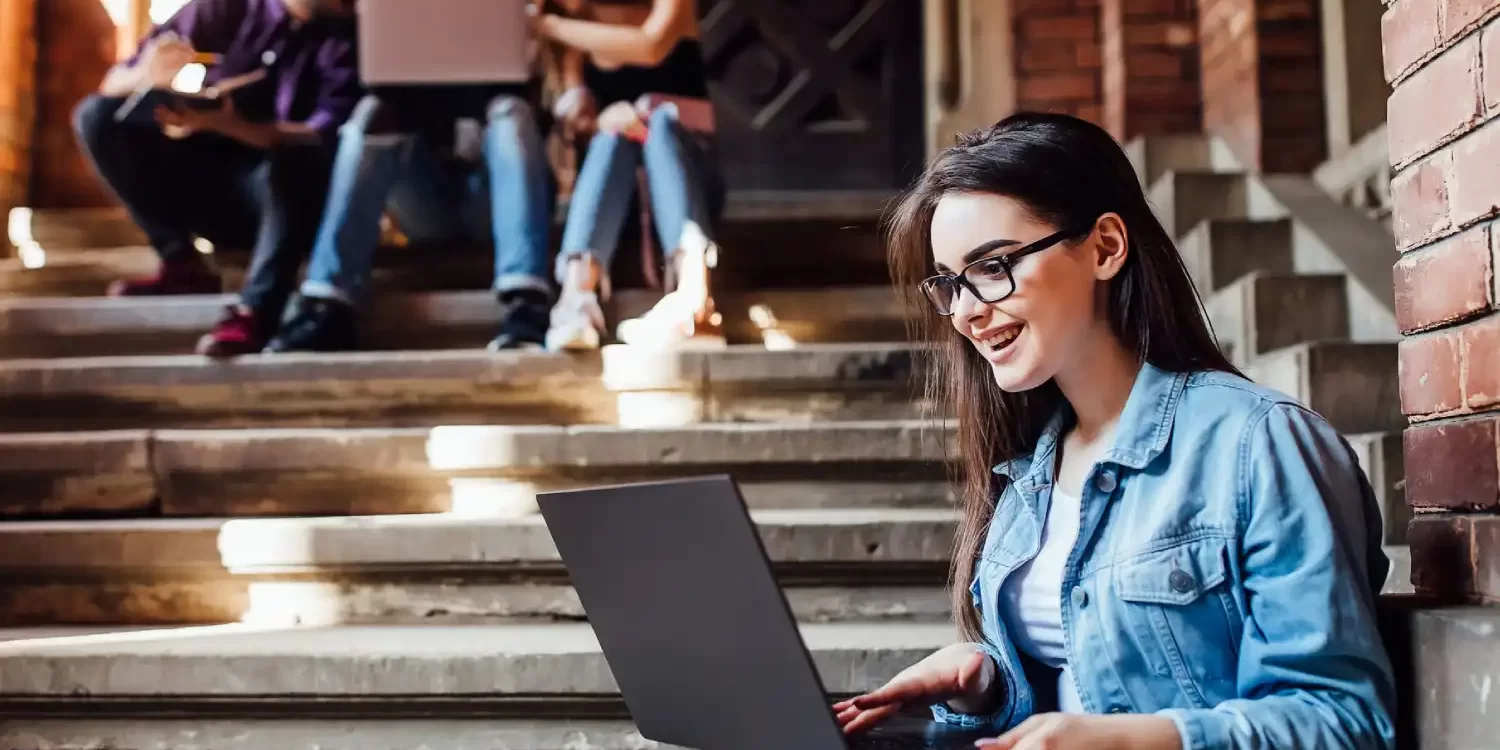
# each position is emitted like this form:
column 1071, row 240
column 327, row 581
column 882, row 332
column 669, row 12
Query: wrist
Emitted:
column 984, row 698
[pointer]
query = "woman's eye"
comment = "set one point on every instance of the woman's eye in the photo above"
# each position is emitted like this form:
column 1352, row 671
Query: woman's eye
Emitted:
column 993, row 268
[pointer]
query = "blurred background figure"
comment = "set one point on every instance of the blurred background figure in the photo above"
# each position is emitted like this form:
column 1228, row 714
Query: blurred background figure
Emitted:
column 249, row 173
column 635, row 79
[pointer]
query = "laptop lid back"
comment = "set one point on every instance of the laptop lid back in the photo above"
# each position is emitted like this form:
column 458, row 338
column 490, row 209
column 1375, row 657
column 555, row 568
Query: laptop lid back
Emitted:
column 677, row 586
column 443, row 42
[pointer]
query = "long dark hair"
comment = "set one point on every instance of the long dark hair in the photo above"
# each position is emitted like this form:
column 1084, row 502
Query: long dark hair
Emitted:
column 1068, row 172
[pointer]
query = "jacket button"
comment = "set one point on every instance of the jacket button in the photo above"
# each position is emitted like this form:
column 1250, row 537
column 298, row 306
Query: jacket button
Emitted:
column 1180, row 582
column 1105, row 482
column 1116, row 710
column 1080, row 597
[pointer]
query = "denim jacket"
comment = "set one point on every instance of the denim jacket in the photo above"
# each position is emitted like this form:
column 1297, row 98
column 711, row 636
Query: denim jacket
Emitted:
column 1224, row 576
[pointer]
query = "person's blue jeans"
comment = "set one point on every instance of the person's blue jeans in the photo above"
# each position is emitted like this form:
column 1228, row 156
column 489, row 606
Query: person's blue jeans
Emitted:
column 435, row 199
column 681, row 174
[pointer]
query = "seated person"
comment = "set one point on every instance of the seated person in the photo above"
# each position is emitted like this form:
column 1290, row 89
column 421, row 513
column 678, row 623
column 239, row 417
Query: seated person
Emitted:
column 629, row 50
column 401, row 153
column 249, row 175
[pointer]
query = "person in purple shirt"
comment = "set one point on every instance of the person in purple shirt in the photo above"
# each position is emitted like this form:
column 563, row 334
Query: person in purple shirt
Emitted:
column 252, row 174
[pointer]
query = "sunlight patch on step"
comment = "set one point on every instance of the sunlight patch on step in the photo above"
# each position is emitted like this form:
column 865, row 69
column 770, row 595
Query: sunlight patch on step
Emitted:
column 18, row 230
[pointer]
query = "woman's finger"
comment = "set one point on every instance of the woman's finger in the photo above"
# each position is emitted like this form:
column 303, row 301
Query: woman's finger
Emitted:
column 843, row 704
column 869, row 718
column 1012, row 740
column 899, row 690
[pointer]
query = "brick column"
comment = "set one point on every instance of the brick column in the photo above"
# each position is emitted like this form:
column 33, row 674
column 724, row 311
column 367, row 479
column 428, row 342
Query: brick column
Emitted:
column 75, row 48
column 1058, row 56
column 1150, row 73
column 17, row 101
column 1443, row 58
column 1263, row 81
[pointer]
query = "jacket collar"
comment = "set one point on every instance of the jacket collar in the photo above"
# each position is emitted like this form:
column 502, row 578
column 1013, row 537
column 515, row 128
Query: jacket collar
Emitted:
column 1140, row 436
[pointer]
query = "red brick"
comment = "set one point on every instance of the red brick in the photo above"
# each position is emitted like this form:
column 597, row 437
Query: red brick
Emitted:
column 1052, row 87
column 1420, row 198
column 1474, row 187
column 1049, row 57
column 1495, row 265
column 1076, row 27
column 1088, row 56
column 1429, row 372
column 1285, row 10
column 1453, row 464
column 1442, row 558
column 1480, row 348
column 1282, row 46
column 1458, row 17
column 1155, row 64
column 1444, row 283
column 1435, row 103
column 1032, row 8
column 1490, row 44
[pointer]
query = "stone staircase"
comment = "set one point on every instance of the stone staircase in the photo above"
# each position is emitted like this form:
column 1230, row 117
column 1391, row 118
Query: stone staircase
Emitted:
column 342, row 551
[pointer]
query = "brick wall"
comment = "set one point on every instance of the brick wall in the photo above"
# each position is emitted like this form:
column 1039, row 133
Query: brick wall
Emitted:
column 17, row 100
column 75, row 47
column 1263, row 81
column 1150, row 67
column 1058, row 56
column 1443, row 57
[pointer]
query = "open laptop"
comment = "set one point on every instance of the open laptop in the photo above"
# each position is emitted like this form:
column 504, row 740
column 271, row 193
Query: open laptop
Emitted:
column 679, row 591
column 415, row 42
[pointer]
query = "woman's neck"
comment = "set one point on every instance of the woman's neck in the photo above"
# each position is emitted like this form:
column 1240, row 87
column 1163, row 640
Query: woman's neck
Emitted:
column 1097, row 383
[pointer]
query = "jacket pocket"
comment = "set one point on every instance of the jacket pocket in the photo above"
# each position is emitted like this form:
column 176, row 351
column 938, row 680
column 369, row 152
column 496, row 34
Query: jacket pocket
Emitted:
column 1178, row 600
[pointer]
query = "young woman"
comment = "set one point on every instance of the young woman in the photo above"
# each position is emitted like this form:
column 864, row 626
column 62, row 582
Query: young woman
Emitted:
column 1155, row 553
column 624, row 50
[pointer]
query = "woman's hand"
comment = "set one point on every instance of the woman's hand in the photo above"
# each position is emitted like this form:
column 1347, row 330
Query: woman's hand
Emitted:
column 959, row 673
column 622, row 118
column 1084, row 732
column 577, row 110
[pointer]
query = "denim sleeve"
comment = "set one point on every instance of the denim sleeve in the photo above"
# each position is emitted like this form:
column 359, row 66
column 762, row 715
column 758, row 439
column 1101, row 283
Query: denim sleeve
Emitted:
column 994, row 720
column 1312, row 669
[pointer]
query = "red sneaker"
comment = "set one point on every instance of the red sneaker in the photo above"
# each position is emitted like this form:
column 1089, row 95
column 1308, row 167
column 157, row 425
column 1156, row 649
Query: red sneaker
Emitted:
column 183, row 276
column 238, row 332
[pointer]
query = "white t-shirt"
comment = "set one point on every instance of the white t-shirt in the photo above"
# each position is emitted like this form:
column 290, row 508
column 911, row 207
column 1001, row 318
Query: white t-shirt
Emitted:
column 1031, row 599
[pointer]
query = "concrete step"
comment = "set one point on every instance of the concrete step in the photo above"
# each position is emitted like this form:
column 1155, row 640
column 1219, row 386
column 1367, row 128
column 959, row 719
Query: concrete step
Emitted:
column 1353, row 385
column 301, row 389
column 478, row 469
column 808, row 383
column 1182, row 199
column 289, row 730
column 1455, row 659
column 632, row 386
column 1383, row 460
column 1262, row 312
column 837, row 565
column 1155, row 155
column 98, row 326
column 512, row 671
column 79, row 274
column 56, row 231
column 1219, row 252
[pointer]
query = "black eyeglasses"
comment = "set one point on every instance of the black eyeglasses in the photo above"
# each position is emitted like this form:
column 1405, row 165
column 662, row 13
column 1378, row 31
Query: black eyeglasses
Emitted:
column 988, row 279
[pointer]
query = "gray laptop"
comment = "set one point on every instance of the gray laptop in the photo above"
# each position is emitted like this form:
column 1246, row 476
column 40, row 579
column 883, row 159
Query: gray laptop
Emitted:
column 409, row 42
column 679, row 591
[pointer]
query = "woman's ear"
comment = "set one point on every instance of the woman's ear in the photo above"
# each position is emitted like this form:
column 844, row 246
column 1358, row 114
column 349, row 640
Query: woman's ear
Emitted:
column 1112, row 246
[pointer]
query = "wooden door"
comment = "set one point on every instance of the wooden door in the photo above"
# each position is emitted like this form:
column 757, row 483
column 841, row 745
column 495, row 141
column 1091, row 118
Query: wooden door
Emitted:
column 816, row 94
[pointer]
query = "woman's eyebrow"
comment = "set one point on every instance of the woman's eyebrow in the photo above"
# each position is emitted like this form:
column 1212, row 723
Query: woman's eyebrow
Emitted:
column 986, row 249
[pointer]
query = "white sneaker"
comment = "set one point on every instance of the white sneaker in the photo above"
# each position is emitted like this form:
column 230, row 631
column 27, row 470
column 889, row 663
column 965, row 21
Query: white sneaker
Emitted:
column 577, row 323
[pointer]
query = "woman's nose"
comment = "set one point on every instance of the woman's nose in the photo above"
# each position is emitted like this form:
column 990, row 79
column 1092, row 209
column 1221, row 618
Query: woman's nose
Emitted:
column 966, row 306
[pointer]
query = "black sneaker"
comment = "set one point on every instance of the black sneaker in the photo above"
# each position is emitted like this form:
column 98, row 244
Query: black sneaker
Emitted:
column 523, row 321
column 320, row 325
